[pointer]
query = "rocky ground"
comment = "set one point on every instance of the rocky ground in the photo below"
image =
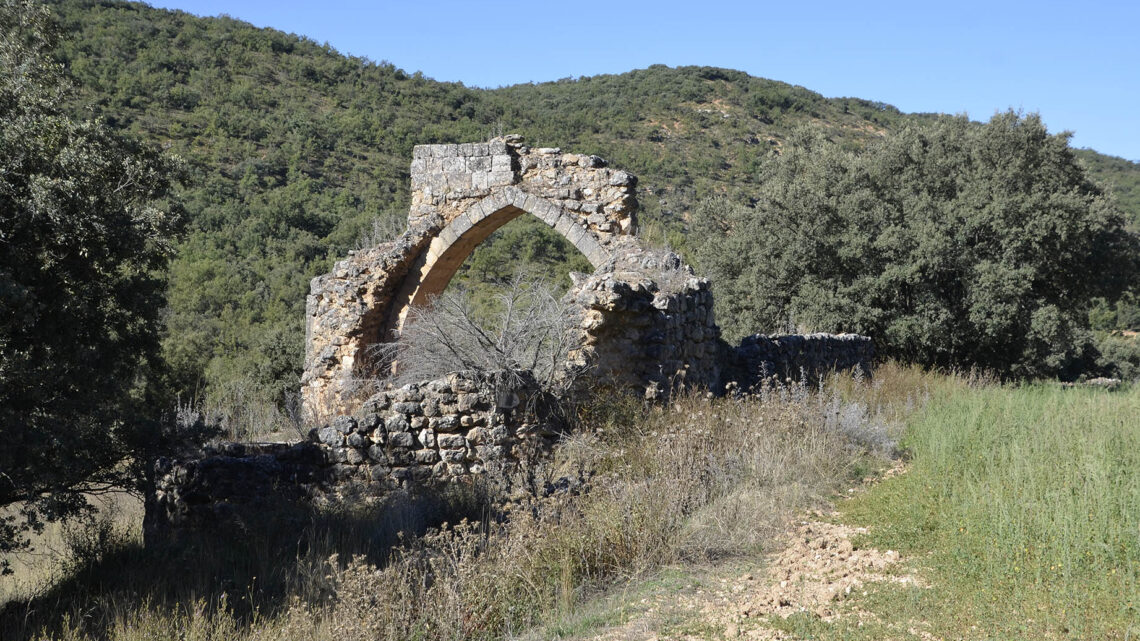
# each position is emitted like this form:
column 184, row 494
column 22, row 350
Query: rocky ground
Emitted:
column 817, row 570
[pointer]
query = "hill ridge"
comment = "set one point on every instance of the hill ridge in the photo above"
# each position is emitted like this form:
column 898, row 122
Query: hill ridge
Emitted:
column 295, row 150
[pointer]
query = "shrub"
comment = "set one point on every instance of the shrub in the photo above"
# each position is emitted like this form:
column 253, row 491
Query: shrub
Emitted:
column 1119, row 355
column 84, row 237
column 532, row 334
column 952, row 244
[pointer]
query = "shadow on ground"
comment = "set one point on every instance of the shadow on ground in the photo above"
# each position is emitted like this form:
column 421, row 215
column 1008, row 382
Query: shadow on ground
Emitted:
column 256, row 564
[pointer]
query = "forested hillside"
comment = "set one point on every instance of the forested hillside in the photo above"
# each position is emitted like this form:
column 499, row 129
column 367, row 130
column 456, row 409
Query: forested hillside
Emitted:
column 1121, row 176
column 295, row 150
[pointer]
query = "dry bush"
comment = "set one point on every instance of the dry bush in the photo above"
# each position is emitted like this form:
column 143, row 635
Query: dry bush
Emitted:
column 383, row 228
column 534, row 333
column 241, row 411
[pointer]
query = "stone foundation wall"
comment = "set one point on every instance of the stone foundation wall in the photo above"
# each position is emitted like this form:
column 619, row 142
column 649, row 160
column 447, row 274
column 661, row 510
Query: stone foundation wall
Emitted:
column 798, row 357
column 434, row 433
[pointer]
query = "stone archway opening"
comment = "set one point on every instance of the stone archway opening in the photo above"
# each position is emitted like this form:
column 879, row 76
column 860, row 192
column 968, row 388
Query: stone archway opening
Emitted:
column 460, row 195
column 523, row 252
column 446, row 253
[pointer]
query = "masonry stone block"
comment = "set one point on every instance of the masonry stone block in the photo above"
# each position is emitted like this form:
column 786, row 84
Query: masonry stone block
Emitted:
column 564, row 225
column 500, row 163
column 501, row 177
column 480, row 164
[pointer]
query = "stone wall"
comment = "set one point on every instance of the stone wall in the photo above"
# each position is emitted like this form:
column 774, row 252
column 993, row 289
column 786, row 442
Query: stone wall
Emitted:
column 341, row 320
column 448, row 180
column 797, row 357
column 433, row 433
column 648, row 323
column 235, row 484
column 646, row 320
column 464, row 425
column 436, row 431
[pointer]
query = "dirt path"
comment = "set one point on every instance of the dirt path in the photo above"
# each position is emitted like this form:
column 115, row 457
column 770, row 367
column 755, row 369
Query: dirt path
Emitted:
column 816, row 571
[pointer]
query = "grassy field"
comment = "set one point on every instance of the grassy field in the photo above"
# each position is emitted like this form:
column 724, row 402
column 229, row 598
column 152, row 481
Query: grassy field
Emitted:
column 1020, row 509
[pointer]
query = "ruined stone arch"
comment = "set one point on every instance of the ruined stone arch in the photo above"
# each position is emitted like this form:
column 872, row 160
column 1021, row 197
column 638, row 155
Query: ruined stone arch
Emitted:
column 460, row 195
column 647, row 318
column 647, row 321
column 447, row 251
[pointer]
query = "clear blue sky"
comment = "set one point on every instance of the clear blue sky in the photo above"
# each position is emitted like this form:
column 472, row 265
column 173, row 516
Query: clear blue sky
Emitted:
column 1076, row 63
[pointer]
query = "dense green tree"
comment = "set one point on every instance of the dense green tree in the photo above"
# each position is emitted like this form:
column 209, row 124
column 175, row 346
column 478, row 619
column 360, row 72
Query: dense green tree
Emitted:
column 82, row 243
column 1121, row 176
column 951, row 244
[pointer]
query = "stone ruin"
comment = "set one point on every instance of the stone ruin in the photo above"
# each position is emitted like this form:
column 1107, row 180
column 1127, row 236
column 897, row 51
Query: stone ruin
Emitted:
column 647, row 322
column 642, row 309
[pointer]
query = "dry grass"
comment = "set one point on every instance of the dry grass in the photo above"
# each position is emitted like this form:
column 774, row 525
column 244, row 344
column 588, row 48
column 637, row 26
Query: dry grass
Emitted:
column 636, row 488
column 55, row 551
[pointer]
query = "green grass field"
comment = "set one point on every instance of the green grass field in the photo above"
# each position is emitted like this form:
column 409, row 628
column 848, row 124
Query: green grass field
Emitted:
column 1021, row 509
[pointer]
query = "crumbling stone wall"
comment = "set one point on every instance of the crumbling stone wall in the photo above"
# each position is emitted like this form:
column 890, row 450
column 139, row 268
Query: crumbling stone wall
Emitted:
column 460, row 194
column 436, row 431
column 649, row 324
column 466, row 425
column 795, row 358
column 433, row 433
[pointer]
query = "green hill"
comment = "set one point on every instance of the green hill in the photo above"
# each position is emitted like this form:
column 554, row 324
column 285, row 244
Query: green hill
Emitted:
column 294, row 150
column 1121, row 176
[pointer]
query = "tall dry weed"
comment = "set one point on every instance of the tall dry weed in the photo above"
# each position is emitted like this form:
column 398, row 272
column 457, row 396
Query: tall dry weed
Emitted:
column 634, row 488
column 698, row 479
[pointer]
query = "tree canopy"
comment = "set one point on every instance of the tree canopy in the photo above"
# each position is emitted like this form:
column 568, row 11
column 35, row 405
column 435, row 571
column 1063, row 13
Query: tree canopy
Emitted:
column 950, row 244
column 83, row 242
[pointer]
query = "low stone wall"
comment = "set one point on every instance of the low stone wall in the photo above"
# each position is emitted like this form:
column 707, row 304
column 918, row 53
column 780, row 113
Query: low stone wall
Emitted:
column 235, row 484
column 798, row 357
column 434, row 433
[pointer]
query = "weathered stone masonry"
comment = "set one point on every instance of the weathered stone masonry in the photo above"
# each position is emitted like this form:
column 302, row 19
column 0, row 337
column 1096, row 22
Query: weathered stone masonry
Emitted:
column 797, row 358
column 446, row 430
column 649, row 324
column 460, row 195
column 424, row 434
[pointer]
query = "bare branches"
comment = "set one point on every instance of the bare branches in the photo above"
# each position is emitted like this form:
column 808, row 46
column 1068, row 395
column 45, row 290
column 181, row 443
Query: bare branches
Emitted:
column 533, row 332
